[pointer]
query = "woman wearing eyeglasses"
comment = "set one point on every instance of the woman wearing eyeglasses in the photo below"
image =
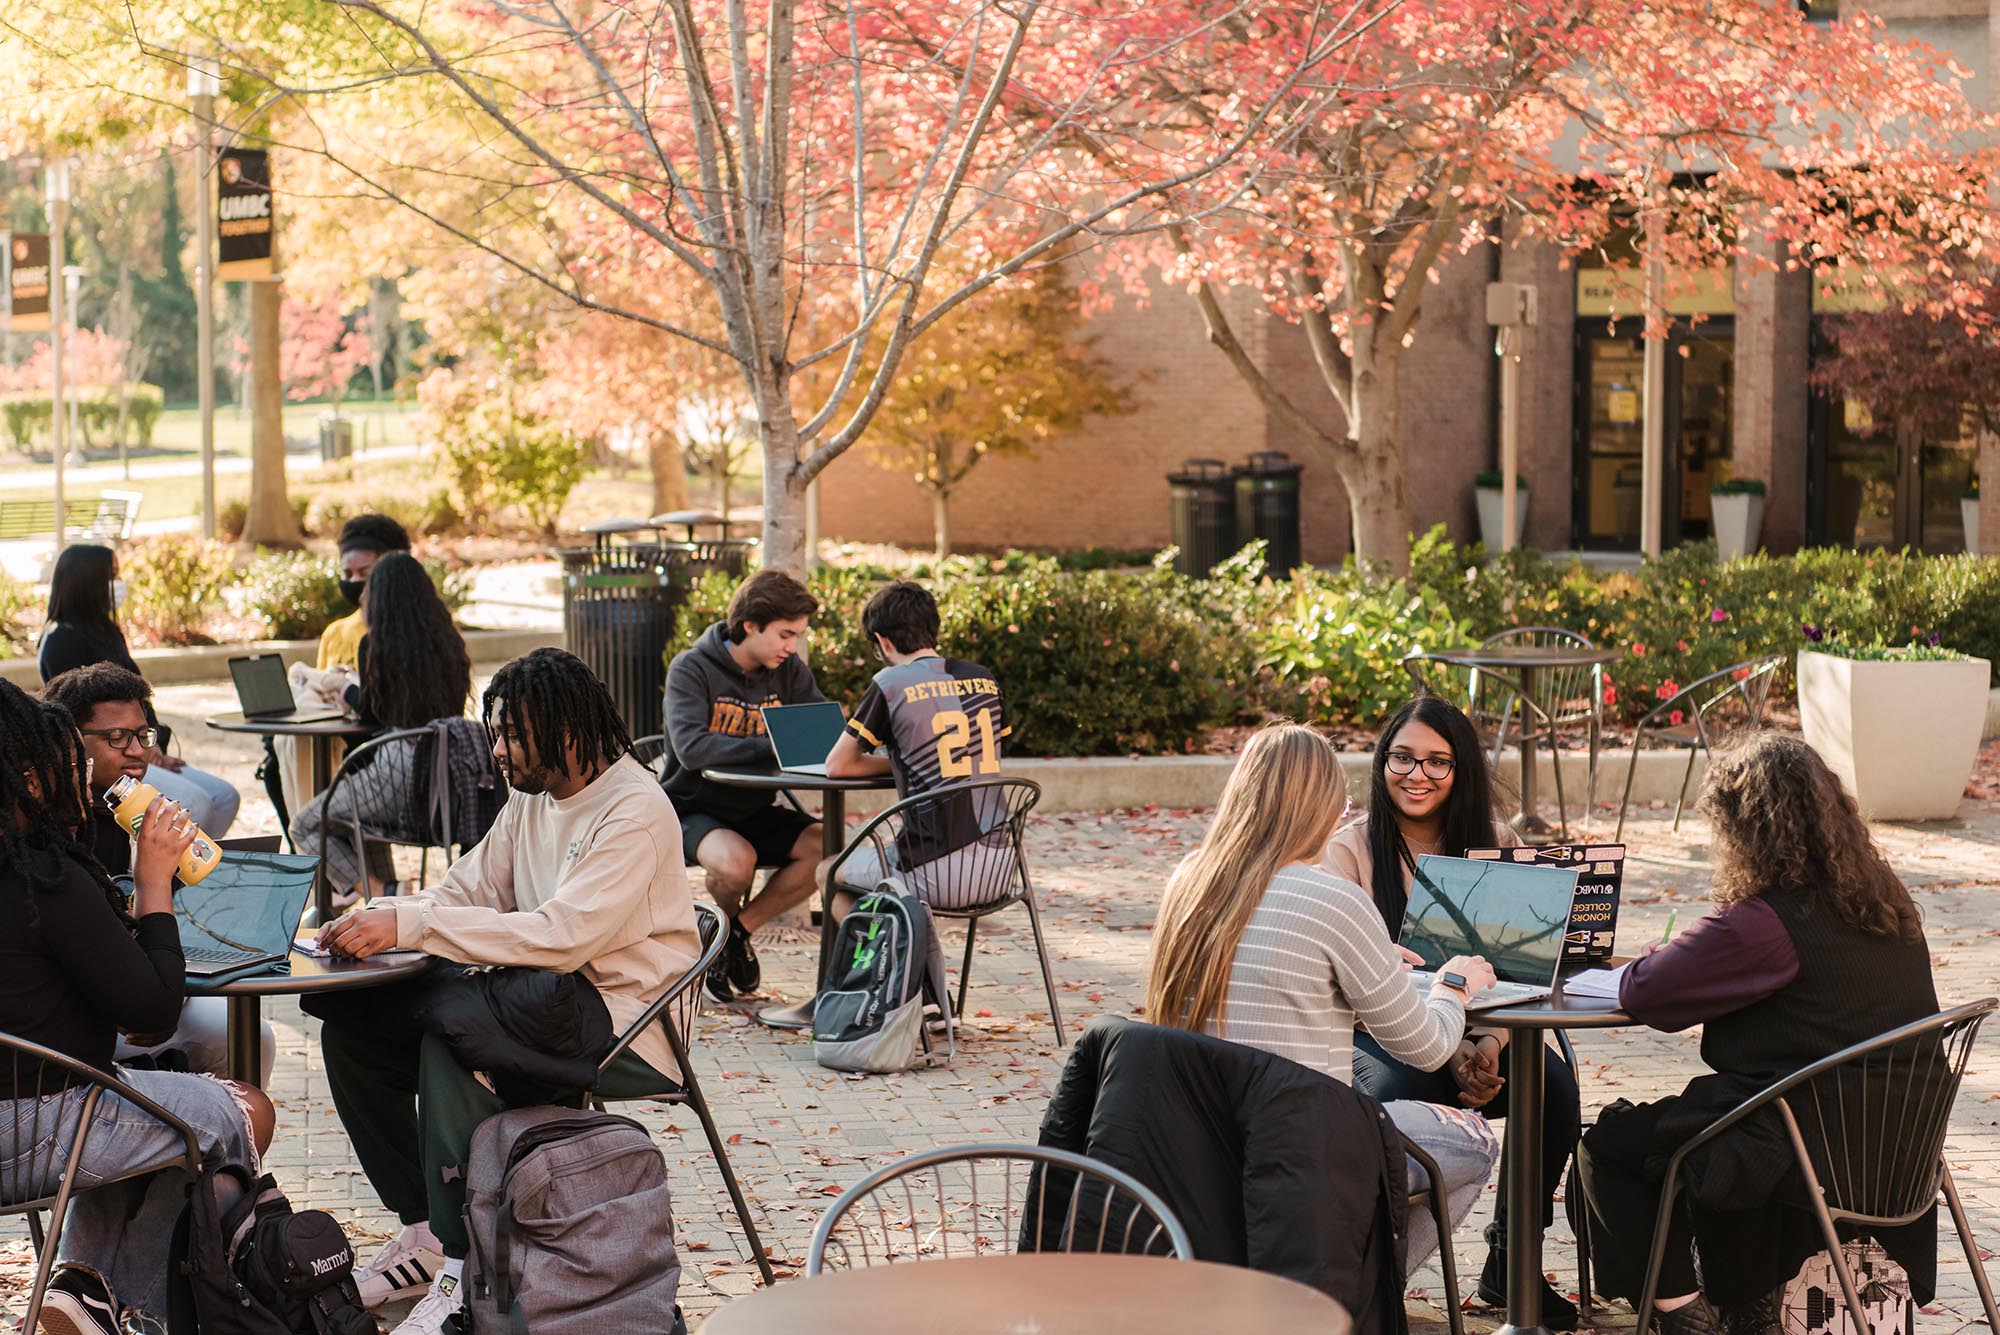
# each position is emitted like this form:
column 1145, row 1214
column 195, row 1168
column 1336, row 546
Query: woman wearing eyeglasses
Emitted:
column 1432, row 793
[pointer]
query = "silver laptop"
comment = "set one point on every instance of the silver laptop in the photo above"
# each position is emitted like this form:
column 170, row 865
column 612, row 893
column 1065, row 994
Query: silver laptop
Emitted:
column 265, row 692
column 244, row 913
column 1514, row 914
column 803, row 735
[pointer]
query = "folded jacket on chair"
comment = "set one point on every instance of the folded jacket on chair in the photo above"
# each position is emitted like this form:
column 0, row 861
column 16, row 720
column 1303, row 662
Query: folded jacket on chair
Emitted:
column 537, row 1035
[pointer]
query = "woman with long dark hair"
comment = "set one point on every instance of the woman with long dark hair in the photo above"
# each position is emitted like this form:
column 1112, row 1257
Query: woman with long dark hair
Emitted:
column 75, row 968
column 1431, row 792
column 1815, row 945
column 84, row 595
column 413, row 670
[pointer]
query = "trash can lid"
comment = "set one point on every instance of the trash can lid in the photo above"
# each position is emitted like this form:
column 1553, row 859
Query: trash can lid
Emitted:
column 1270, row 461
column 616, row 526
column 689, row 518
column 1200, row 470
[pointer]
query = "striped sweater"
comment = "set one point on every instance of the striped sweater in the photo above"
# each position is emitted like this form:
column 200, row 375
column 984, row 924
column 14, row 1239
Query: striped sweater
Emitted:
column 1313, row 960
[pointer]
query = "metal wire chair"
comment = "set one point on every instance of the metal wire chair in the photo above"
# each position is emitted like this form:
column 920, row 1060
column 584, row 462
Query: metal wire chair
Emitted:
column 676, row 1011
column 1565, row 696
column 1430, row 671
column 1867, row 1128
column 1699, row 716
column 42, row 1177
column 984, row 822
column 977, row 1200
column 651, row 751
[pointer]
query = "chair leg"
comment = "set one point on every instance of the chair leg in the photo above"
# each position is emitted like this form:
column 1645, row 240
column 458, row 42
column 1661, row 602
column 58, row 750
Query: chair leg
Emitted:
column 1042, row 954
column 35, row 1231
column 1590, row 775
column 45, row 1262
column 1687, row 777
column 1624, row 801
column 1447, row 1257
column 1964, row 1227
column 965, row 967
column 1562, row 804
column 721, row 1153
column 1582, row 1257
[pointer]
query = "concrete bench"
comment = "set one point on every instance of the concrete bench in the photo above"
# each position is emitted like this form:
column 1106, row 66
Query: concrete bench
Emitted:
column 111, row 517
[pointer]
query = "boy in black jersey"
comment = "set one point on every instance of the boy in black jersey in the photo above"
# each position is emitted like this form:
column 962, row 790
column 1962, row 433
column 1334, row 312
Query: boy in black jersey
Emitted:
column 941, row 721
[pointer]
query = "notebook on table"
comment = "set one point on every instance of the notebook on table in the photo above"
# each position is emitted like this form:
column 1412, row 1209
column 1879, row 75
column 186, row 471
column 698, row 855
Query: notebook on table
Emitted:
column 1515, row 915
column 803, row 735
column 265, row 693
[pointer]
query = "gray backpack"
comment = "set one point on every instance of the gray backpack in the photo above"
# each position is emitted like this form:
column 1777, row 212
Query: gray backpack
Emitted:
column 572, row 1226
column 886, row 969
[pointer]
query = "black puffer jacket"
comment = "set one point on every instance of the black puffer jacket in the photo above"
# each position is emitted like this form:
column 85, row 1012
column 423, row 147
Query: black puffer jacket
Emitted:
column 1270, row 1165
column 538, row 1035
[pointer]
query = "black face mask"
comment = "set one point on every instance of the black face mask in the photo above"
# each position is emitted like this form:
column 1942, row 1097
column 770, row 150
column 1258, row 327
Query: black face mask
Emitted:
column 350, row 589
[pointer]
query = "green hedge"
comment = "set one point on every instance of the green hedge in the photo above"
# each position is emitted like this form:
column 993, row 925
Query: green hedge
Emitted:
column 26, row 416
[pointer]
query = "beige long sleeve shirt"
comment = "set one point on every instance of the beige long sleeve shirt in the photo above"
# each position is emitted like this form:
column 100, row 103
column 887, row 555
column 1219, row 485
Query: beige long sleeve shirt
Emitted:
column 593, row 882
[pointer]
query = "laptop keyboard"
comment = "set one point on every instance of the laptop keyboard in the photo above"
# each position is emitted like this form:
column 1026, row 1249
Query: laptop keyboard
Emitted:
column 212, row 955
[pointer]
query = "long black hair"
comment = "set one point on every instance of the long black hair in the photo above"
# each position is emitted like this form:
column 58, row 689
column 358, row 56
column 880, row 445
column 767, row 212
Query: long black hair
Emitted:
column 80, row 588
column 415, row 667
column 1467, row 812
column 40, row 824
column 550, row 697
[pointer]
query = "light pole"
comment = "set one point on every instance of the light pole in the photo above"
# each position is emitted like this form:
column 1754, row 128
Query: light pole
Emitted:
column 56, row 173
column 1510, row 308
column 203, row 85
column 72, row 283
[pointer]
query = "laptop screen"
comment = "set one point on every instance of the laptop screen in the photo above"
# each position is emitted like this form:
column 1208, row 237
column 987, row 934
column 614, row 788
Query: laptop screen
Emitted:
column 1513, row 914
column 249, row 901
column 803, row 734
column 261, row 687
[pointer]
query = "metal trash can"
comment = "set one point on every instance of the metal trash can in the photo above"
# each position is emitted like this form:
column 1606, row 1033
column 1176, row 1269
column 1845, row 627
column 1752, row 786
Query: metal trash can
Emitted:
column 1267, row 507
column 620, row 599
column 1203, row 515
column 336, row 438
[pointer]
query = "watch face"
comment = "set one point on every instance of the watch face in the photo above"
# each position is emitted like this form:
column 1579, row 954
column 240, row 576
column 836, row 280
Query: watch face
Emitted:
column 1452, row 979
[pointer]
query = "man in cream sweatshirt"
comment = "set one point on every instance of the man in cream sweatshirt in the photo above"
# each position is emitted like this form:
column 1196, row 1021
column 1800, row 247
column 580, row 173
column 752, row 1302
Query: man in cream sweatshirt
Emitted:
column 581, row 872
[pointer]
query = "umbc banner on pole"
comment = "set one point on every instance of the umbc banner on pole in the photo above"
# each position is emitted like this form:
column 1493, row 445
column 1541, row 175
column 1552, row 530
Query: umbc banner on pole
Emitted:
column 28, row 281
column 243, row 210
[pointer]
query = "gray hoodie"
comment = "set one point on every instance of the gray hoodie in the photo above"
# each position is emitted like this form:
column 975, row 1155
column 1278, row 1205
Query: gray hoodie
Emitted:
column 713, row 723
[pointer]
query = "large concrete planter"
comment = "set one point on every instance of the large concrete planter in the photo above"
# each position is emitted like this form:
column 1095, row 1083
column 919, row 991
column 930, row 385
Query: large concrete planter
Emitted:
column 1901, row 735
column 1488, row 499
column 1739, row 519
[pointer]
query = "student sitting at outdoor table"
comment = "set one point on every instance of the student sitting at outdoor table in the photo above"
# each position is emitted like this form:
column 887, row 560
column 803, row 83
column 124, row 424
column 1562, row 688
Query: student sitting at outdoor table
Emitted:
column 84, row 595
column 1257, row 945
column 1815, row 946
column 751, row 659
column 108, row 705
column 413, row 669
column 581, row 872
column 941, row 721
column 1432, row 793
column 74, row 968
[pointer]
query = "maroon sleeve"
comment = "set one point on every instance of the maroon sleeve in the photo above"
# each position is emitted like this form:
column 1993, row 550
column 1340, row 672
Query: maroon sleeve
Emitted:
column 1721, row 964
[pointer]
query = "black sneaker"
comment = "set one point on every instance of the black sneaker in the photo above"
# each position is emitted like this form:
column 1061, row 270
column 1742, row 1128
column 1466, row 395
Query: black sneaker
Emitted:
column 77, row 1303
column 1696, row 1318
column 739, row 961
column 717, row 985
column 1558, row 1312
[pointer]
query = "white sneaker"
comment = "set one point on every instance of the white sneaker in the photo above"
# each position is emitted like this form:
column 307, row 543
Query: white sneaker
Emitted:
column 438, row 1313
column 404, row 1267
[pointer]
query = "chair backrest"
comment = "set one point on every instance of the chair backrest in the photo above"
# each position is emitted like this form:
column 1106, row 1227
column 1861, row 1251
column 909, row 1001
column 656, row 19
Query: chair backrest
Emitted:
column 679, row 1006
column 1872, row 1118
column 651, row 751
column 37, row 1140
column 979, row 821
column 398, row 797
column 986, row 1200
column 1726, row 700
column 1565, row 695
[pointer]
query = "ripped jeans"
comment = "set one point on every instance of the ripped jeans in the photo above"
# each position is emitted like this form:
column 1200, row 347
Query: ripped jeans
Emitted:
column 1466, row 1151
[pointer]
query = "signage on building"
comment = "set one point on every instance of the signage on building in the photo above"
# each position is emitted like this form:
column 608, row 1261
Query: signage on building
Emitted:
column 1621, row 292
column 1621, row 405
column 28, row 281
column 243, row 212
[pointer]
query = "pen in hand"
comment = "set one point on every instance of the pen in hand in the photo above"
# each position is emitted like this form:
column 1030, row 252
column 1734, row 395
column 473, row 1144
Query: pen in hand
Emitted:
column 1668, row 935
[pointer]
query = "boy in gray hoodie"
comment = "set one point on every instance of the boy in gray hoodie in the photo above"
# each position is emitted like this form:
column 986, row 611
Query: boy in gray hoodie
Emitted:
column 714, row 692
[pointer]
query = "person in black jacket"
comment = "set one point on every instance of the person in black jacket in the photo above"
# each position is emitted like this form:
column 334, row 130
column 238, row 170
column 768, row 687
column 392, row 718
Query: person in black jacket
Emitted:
column 714, row 692
column 74, row 968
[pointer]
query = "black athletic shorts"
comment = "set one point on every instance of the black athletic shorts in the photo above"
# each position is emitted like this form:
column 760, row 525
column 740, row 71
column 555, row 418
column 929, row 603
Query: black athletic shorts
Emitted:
column 772, row 831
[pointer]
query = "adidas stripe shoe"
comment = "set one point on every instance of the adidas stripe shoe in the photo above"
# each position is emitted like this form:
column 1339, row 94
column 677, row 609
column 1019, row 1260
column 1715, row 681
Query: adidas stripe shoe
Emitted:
column 440, row 1311
column 404, row 1268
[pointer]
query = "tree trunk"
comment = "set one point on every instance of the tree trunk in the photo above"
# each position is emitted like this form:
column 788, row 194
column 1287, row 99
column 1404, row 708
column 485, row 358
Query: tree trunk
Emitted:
column 670, row 487
column 784, row 544
column 1373, row 469
column 941, row 522
column 270, row 521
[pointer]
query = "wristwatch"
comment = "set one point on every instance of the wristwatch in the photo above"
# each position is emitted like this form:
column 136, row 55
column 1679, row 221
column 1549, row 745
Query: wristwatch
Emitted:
column 1455, row 981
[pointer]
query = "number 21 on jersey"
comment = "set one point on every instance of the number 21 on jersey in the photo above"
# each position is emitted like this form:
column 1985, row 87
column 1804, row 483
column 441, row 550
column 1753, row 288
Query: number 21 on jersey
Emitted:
column 953, row 729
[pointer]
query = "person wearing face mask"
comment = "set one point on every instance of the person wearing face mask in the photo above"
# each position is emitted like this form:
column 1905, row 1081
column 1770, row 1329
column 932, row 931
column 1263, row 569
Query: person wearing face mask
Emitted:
column 84, row 595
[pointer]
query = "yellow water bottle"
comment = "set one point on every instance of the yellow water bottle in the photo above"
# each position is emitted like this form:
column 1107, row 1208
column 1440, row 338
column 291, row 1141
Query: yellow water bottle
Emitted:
column 128, row 799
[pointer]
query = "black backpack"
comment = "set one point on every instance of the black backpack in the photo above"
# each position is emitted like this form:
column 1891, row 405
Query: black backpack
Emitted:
column 260, row 1268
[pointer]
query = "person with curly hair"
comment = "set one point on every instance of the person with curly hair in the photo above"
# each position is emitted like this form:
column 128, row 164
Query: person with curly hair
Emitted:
column 1807, row 907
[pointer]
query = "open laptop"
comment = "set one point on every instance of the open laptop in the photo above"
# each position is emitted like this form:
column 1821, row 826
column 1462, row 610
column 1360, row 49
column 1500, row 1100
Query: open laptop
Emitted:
column 1514, row 914
column 803, row 735
column 265, row 693
column 244, row 913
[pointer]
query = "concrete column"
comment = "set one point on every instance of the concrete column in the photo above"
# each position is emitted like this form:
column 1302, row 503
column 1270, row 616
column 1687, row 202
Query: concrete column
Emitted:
column 1548, row 384
column 1773, row 332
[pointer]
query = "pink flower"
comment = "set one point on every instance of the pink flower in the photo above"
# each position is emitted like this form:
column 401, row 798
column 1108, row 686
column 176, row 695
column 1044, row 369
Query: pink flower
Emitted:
column 1740, row 674
column 1666, row 690
column 1717, row 615
column 1681, row 645
column 1638, row 650
column 1674, row 717
column 1013, row 629
column 1610, row 694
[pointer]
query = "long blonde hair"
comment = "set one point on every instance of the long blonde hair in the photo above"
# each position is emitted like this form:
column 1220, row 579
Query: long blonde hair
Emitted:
column 1280, row 805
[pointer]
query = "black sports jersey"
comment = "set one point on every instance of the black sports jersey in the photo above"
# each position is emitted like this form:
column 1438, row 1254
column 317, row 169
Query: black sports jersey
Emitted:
column 941, row 720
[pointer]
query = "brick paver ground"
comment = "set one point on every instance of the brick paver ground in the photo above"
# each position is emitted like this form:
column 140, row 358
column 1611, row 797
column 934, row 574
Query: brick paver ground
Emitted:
column 798, row 1133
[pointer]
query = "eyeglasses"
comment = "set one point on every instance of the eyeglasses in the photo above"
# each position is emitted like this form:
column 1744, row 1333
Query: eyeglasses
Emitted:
column 120, row 738
column 1435, row 767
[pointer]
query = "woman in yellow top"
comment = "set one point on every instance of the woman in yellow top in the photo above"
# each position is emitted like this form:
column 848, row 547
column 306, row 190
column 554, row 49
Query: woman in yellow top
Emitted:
column 1432, row 793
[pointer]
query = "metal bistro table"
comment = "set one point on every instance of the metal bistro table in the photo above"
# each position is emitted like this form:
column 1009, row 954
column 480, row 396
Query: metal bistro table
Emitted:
column 321, row 736
column 1529, row 1024
column 1050, row 1294
column 833, row 837
column 303, row 974
column 1526, row 661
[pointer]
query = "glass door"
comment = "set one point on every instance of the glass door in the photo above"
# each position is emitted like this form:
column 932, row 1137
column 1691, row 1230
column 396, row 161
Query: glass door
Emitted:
column 1701, row 372
column 1604, row 511
column 1889, row 484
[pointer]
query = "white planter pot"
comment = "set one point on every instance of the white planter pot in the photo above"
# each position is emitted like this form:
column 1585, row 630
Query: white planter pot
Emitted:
column 1489, row 515
column 1968, row 514
column 1901, row 735
column 1739, row 518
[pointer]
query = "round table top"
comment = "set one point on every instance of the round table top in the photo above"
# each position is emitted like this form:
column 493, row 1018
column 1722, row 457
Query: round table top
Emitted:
column 1526, row 655
column 312, row 973
column 1044, row 1293
column 778, row 779
column 1557, row 1011
column 331, row 727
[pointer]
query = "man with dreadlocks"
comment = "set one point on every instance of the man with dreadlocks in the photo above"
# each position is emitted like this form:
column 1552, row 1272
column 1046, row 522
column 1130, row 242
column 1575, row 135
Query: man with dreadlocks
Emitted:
column 75, row 968
column 581, row 872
